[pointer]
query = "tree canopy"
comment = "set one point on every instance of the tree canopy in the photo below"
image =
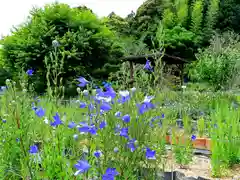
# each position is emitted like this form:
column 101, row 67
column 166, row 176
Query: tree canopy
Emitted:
column 89, row 47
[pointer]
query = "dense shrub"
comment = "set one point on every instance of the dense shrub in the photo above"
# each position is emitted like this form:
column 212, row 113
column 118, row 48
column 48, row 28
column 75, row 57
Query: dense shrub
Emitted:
column 219, row 64
column 85, row 42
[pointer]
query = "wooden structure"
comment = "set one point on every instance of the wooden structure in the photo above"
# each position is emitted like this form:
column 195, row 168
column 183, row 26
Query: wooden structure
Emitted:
column 168, row 59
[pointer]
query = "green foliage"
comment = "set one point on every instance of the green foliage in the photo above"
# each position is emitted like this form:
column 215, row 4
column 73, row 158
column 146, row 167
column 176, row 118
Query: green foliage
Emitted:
column 197, row 16
column 182, row 11
column 178, row 37
column 117, row 24
column 219, row 63
column 211, row 17
column 146, row 20
column 229, row 15
column 85, row 41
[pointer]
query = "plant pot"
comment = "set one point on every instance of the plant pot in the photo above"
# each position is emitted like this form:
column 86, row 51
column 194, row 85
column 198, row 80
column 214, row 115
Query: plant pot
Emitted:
column 208, row 144
column 199, row 143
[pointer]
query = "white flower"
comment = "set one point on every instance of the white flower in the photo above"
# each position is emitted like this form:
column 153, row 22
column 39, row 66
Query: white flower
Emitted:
column 106, row 99
column 184, row 87
column 124, row 93
column 85, row 149
column 148, row 99
column 45, row 120
column 78, row 89
column 133, row 89
column 85, row 92
column 75, row 136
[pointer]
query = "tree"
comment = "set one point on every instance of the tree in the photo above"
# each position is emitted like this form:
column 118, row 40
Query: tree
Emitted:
column 87, row 44
column 117, row 24
column 229, row 15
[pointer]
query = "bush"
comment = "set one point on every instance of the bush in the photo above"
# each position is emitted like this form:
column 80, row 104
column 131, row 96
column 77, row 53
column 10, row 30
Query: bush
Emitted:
column 219, row 64
column 85, row 42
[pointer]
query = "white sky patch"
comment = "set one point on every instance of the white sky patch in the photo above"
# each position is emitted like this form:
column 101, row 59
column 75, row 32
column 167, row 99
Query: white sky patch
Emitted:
column 15, row 12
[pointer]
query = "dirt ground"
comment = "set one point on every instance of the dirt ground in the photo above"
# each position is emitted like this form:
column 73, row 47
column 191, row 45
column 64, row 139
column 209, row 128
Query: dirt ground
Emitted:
column 200, row 167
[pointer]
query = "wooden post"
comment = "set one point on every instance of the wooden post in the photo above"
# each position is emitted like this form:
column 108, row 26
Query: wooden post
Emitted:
column 131, row 73
column 181, row 71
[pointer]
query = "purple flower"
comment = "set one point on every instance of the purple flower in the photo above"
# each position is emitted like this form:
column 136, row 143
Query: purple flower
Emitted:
column 81, row 166
column 30, row 72
column 110, row 174
column 84, row 129
column 150, row 154
column 4, row 120
column 57, row 121
column 148, row 66
column 193, row 138
column 102, row 124
column 97, row 154
column 117, row 129
column 131, row 144
column 83, row 82
column 163, row 116
column 40, row 112
column 124, row 132
column 34, row 107
column 33, row 149
column 93, row 130
column 91, row 107
column 110, row 92
column 83, row 105
column 71, row 125
column 126, row 118
column 118, row 114
column 144, row 107
column 105, row 106
column 88, row 129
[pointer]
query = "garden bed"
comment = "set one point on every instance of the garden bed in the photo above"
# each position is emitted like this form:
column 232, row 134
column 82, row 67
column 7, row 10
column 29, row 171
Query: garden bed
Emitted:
column 199, row 169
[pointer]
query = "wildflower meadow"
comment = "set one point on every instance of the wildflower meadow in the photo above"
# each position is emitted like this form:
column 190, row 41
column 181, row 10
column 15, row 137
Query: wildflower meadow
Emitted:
column 105, row 133
column 153, row 96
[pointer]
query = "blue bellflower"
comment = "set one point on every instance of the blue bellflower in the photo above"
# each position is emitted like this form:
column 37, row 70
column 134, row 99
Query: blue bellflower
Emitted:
column 71, row 125
column 148, row 66
column 40, row 112
column 193, row 138
column 150, row 154
column 97, row 154
column 30, row 72
column 33, row 149
column 131, row 144
column 126, row 118
column 124, row 132
column 105, row 106
column 83, row 82
column 118, row 114
column 102, row 124
column 82, row 105
column 57, row 121
column 88, row 129
column 81, row 166
column 125, row 96
column 110, row 174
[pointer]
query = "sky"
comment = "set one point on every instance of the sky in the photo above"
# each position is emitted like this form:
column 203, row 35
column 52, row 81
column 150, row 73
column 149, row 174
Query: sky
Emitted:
column 14, row 12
